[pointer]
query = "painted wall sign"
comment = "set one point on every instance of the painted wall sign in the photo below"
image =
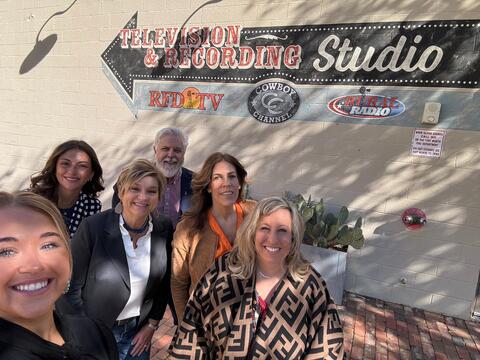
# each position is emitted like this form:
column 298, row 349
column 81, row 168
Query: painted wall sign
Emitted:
column 189, row 98
column 427, row 143
column 273, row 102
column 366, row 106
column 460, row 109
column 433, row 53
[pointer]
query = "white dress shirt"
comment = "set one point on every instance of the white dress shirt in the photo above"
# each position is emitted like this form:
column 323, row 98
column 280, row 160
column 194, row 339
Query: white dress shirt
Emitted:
column 138, row 268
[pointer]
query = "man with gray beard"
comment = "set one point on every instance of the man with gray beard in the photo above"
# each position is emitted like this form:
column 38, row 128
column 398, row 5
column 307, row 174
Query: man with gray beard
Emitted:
column 169, row 148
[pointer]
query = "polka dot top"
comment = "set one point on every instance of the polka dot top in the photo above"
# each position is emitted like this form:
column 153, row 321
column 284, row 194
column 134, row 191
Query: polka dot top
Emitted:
column 85, row 206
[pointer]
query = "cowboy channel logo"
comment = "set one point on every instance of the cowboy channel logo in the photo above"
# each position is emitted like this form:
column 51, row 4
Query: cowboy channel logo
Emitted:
column 273, row 102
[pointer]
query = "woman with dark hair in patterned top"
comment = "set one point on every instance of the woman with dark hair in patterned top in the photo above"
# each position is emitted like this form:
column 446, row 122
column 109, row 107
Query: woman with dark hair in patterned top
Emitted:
column 262, row 300
column 71, row 179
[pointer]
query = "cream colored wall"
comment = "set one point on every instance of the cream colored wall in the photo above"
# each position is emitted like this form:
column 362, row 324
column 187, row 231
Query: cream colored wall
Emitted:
column 366, row 167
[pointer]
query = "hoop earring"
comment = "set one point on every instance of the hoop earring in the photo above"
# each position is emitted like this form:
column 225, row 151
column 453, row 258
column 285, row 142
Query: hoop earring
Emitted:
column 118, row 208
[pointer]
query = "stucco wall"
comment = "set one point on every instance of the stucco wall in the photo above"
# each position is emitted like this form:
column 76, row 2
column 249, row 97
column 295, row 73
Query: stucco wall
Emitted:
column 366, row 167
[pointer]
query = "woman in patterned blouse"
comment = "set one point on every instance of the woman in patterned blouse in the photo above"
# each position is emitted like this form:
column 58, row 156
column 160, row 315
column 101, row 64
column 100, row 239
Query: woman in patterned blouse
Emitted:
column 262, row 300
column 71, row 179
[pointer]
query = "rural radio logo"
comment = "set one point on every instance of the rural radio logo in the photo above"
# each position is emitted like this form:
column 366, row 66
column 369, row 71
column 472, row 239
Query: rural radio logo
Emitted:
column 366, row 106
column 273, row 102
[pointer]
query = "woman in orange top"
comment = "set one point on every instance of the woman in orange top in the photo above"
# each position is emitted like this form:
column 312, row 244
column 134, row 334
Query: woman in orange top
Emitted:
column 208, row 230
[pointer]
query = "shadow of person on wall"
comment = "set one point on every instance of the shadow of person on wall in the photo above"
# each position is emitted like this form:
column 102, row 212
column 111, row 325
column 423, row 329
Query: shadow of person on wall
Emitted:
column 41, row 47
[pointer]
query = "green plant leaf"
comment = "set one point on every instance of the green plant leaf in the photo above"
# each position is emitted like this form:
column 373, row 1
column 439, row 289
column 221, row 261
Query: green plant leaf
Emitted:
column 308, row 237
column 330, row 219
column 343, row 231
column 326, row 230
column 319, row 208
column 358, row 223
column 299, row 199
column 346, row 238
column 357, row 233
column 322, row 227
column 343, row 215
column 332, row 232
column 307, row 214
column 317, row 230
column 320, row 242
column 308, row 227
column 300, row 206
column 358, row 243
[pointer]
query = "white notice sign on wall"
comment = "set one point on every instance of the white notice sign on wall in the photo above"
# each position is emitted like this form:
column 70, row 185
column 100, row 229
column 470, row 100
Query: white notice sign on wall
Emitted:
column 427, row 143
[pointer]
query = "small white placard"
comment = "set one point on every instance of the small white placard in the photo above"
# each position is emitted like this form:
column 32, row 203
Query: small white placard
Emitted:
column 427, row 143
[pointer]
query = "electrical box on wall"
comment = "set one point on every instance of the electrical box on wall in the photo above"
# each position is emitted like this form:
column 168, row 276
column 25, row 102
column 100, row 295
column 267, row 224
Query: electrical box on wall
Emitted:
column 431, row 113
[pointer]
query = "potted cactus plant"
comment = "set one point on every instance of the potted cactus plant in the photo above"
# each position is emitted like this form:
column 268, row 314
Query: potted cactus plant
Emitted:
column 327, row 230
column 326, row 240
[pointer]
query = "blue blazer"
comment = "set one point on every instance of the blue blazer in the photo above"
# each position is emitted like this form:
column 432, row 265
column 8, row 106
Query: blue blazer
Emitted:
column 185, row 190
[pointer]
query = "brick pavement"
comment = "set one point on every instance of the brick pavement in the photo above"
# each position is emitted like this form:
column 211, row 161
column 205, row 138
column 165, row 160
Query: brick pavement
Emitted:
column 379, row 330
column 162, row 337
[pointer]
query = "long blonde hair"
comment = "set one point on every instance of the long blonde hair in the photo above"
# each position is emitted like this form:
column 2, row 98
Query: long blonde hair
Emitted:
column 242, row 259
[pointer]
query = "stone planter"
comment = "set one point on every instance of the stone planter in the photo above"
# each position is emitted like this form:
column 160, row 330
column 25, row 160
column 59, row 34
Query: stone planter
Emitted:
column 331, row 264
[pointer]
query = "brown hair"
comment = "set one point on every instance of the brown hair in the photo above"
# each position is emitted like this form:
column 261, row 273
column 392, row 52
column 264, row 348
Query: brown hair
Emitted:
column 201, row 198
column 242, row 259
column 40, row 205
column 136, row 171
column 45, row 182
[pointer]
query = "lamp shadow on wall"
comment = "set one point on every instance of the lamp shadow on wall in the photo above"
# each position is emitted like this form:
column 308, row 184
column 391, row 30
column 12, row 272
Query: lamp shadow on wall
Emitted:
column 156, row 71
column 42, row 46
column 209, row 2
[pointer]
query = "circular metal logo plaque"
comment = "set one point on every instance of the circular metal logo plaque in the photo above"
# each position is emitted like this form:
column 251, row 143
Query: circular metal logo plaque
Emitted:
column 273, row 102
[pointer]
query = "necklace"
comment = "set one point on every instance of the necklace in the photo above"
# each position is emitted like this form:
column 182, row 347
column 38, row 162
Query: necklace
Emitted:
column 135, row 230
column 265, row 276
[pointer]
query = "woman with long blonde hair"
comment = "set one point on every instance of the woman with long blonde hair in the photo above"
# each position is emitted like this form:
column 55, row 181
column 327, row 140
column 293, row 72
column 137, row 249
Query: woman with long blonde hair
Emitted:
column 262, row 300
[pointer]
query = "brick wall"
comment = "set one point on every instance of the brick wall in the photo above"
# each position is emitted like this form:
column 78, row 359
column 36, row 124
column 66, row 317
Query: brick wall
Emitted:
column 366, row 167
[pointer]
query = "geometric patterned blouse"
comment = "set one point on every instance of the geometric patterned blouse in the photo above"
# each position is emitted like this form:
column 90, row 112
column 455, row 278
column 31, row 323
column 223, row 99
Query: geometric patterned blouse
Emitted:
column 301, row 321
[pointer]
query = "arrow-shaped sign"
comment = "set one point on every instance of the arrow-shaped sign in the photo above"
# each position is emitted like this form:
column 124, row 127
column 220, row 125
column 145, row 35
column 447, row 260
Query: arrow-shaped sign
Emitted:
column 418, row 54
